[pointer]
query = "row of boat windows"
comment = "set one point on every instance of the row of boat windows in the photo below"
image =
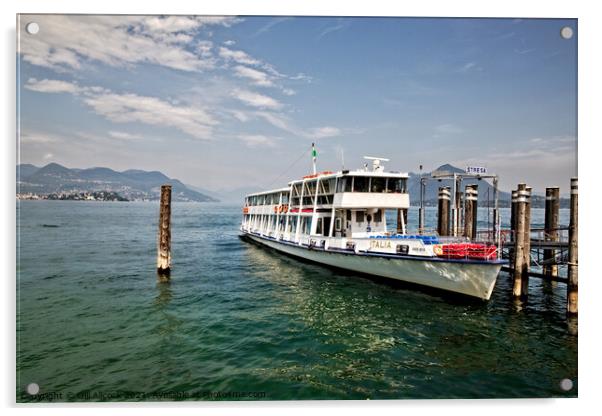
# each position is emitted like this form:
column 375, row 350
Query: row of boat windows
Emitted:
column 279, row 224
column 269, row 199
column 326, row 190
column 371, row 184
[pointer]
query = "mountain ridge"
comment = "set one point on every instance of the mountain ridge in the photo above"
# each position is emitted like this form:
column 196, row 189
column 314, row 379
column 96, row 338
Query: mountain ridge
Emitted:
column 133, row 184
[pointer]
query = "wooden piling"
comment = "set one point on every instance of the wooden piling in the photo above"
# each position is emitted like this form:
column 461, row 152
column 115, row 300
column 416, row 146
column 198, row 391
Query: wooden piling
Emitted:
column 402, row 212
column 164, row 240
column 471, row 194
column 572, row 285
column 521, row 269
column 443, row 211
column 512, row 225
column 551, row 229
column 527, row 250
column 458, row 207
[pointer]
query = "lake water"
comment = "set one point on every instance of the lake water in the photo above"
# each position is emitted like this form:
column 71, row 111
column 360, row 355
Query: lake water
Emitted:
column 240, row 322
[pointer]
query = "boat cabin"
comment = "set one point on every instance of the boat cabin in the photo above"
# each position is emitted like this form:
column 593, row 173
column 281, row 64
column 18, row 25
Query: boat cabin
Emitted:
column 344, row 204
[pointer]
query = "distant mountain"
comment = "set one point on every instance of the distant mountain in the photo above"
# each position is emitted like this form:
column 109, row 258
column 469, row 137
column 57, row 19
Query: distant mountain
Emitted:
column 432, row 187
column 204, row 191
column 131, row 184
column 26, row 170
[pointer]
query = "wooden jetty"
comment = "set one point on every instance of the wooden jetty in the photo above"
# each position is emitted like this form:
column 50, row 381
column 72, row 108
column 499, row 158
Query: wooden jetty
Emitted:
column 547, row 247
column 524, row 246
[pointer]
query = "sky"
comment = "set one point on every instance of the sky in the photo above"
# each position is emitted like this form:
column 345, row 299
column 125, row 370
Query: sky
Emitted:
column 235, row 102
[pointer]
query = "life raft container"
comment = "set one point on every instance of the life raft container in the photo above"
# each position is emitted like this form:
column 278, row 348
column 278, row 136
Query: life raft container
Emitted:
column 476, row 251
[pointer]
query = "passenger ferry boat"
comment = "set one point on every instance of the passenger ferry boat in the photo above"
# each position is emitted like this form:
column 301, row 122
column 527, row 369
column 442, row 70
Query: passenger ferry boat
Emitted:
column 339, row 219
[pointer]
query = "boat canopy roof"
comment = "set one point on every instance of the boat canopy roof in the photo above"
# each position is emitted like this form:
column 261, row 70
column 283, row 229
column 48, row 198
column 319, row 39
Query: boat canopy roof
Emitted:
column 358, row 172
column 273, row 191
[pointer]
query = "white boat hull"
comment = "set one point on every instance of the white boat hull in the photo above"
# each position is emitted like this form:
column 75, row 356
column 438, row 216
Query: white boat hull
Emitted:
column 472, row 278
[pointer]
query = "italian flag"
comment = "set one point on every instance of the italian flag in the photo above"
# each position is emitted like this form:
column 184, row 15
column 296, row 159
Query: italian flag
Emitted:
column 313, row 151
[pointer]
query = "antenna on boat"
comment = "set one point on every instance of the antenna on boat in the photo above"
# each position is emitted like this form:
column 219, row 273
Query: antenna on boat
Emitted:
column 314, row 154
column 376, row 166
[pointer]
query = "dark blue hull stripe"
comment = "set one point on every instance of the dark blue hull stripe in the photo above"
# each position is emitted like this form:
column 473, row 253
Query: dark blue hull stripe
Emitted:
column 350, row 252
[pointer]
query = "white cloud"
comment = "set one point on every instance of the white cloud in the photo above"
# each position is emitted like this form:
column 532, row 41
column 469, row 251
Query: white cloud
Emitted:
column 240, row 115
column 48, row 156
column 256, row 100
column 341, row 24
column 204, row 48
column 323, row 132
column 124, row 136
column 37, row 138
column 280, row 121
column 257, row 140
column 237, row 56
column 273, row 22
column 127, row 108
column 284, row 123
column 470, row 67
column 52, row 86
column 66, row 41
column 257, row 77
column 229, row 43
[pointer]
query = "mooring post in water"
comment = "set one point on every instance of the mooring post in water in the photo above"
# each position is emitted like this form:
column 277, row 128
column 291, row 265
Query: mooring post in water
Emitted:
column 551, row 229
column 164, row 241
column 520, row 268
column 513, row 225
column 443, row 211
column 422, row 206
column 527, row 249
column 573, row 260
column 497, row 236
column 471, row 195
column 458, row 207
column 402, row 226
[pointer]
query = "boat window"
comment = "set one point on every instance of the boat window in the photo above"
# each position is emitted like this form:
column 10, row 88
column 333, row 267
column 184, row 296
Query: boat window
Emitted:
column 348, row 215
column 295, row 201
column 285, row 198
column 329, row 186
column 310, row 187
column 341, row 185
column 361, row 184
column 308, row 200
column 325, row 199
column 349, row 184
column 297, row 189
column 378, row 185
column 359, row 216
column 337, row 224
column 378, row 217
column 397, row 185
column 319, row 226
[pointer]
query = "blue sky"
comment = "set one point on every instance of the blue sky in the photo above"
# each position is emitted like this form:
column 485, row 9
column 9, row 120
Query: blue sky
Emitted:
column 227, row 102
